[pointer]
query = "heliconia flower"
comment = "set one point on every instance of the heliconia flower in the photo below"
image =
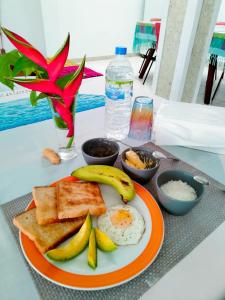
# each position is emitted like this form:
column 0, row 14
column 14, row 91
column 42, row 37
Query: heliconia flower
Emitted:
column 65, row 114
column 40, row 85
column 26, row 48
column 57, row 63
column 66, row 94
column 72, row 87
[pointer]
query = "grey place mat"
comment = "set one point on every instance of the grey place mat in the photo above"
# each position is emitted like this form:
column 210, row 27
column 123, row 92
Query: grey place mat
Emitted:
column 182, row 235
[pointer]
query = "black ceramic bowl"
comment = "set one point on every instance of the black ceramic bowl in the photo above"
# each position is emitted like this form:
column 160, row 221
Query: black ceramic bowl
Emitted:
column 142, row 176
column 100, row 151
column 172, row 205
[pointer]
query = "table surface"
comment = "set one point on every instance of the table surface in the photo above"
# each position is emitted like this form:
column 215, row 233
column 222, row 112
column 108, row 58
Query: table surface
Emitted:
column 200, row 275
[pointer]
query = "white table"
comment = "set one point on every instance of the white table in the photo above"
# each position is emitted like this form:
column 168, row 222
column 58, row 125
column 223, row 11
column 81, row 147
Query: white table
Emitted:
column 200, row 275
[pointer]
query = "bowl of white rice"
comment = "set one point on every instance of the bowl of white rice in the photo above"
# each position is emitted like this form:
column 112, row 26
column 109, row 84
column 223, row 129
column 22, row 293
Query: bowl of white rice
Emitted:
column 178, row 192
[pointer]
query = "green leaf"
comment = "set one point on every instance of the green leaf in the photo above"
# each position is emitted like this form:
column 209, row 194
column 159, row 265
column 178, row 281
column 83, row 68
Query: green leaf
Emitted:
column 26, row 67
column 34, row 97
column 60, row 123
column 62, row 81
column 70, row 142
column 42, row 96
column 7, row 61
column 77, row 72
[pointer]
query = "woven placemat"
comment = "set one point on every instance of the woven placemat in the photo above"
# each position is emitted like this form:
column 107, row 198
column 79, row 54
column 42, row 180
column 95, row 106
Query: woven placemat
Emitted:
column 182, row 235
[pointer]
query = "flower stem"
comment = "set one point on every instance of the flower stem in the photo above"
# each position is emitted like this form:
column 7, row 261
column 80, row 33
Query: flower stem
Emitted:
column 70, row 142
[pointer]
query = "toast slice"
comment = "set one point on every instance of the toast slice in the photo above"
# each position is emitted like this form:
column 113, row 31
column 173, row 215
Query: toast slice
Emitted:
column 45, row 201
column 46, row 237
column 75, row 199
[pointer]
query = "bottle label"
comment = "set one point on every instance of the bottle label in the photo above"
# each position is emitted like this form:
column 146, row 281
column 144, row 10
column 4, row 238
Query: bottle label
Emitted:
column 119, row 90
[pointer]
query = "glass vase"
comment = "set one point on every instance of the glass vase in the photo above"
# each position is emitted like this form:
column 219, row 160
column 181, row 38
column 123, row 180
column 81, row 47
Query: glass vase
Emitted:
column 66, row 145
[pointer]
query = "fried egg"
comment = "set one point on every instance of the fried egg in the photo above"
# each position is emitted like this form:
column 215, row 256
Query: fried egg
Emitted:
column 123, row 224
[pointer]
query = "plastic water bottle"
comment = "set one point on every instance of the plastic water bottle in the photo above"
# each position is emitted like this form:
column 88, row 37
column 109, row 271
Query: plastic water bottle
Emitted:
column 119, row 91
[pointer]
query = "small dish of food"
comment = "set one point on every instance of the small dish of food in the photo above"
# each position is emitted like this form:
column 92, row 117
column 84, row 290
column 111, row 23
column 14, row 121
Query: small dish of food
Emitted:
column 100, row 151
column 177, row 191
column 139, row 164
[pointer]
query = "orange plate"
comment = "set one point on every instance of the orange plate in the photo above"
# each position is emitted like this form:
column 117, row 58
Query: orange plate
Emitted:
column 106, row 280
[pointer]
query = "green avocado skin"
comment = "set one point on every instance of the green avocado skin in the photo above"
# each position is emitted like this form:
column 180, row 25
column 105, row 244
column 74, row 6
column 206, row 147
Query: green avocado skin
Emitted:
column 92, row 250
column 75, row 246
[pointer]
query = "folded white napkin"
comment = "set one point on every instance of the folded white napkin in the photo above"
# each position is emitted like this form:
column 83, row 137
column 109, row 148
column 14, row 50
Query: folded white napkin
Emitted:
column 190, row 125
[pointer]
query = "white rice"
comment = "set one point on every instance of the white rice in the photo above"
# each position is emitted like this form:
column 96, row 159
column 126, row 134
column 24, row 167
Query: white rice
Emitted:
column 179, row 190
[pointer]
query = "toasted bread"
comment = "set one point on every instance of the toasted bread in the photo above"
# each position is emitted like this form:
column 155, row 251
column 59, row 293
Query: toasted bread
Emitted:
column 45, row 237
column 45, row 201
column 75, row 199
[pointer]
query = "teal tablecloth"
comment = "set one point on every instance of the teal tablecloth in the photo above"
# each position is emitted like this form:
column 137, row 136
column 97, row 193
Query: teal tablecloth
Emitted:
column 144, row 37
column 217, row 46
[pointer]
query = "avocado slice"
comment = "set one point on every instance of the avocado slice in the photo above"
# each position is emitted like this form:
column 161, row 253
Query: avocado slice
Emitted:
column 104, row 242
column 75, row 246
column 92, row 250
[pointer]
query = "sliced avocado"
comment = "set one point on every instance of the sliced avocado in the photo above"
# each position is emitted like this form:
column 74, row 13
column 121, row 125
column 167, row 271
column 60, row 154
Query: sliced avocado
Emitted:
column 92, row 250
column 104, row 242
column 75, row 246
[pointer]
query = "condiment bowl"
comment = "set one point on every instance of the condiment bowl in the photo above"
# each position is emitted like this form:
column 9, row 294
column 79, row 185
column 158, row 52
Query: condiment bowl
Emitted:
column 100, row 151
column 172, row 205
column 142, row 176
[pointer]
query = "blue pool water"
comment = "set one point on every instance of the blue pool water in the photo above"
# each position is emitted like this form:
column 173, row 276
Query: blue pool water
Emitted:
column 20, row 112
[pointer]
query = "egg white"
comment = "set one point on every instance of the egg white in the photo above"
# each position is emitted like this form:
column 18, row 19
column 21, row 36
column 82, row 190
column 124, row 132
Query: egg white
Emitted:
column 123, row 236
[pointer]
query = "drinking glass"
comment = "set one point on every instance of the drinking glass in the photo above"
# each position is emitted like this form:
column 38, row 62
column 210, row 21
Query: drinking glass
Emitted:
column 141, row 119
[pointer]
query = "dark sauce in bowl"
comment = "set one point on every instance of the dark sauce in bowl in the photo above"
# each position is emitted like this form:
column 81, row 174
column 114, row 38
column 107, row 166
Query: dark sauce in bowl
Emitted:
column 100, row 147
column 101, row 151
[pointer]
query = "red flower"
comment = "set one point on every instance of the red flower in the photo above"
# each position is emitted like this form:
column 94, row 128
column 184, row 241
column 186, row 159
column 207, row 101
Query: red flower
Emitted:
column 72, row 87
column 65, row 114
column 41, row 85
column 57, row 63
column 26, row 48
column 49, row 86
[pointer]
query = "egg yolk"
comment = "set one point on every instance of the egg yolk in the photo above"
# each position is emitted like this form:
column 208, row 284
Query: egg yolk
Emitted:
column 121, row 218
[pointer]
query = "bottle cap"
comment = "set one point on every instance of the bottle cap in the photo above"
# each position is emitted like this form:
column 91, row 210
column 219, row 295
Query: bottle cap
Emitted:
column 121, row 51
